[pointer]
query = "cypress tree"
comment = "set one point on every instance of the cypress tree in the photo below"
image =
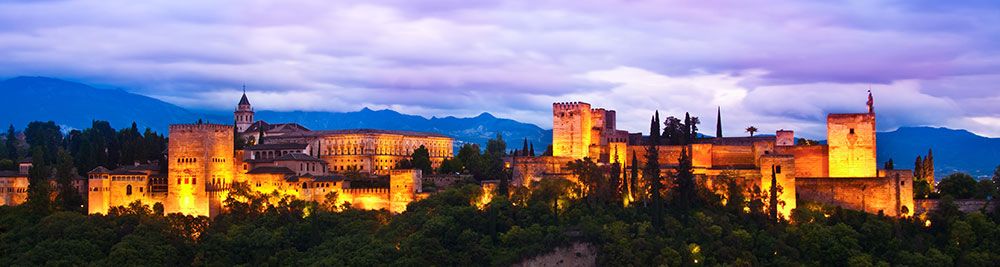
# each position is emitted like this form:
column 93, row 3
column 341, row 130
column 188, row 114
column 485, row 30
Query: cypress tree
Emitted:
column 531, row 149
column 773, row 196
column 11, row 144
column 524, row 148
column 652, row 174
column 918, row 169
column 718, row 124
column 928, row 170
column 634, row 180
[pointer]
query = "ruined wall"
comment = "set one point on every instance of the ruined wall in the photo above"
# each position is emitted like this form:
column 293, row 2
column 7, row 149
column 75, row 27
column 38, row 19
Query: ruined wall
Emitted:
column 868, row 194
column 198, row 153
column 925, row 206
column 571, row 129
column 810, row 161
column 851, row 141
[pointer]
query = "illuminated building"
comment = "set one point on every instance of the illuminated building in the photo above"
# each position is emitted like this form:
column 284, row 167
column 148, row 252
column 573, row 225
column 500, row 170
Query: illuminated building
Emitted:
column 843, row 172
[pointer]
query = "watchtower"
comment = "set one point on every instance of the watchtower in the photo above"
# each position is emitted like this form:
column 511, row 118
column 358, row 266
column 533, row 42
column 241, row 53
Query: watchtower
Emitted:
column 572, row 129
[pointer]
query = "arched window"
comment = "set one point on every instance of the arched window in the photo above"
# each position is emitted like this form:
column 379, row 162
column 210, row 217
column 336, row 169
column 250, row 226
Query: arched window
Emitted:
column 128, row 190
column 304, row 185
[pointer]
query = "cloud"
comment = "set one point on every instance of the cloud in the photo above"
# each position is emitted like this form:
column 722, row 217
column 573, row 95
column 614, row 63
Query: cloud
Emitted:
column 767, row 63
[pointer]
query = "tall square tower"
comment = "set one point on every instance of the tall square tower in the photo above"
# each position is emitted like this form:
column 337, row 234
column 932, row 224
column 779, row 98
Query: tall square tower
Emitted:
column 198, row 155
column 851, row 141
column 572, row 129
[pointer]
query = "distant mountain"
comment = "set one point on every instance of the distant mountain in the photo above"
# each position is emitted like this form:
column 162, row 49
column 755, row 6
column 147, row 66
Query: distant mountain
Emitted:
column 477, row 129
column 26, row 99
column 954, row 150
column 75, row 105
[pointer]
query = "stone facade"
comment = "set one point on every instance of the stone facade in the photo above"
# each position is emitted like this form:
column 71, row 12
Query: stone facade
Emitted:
column 851, row 142
column 13, row 187
column 803, row 172
column 203, row 165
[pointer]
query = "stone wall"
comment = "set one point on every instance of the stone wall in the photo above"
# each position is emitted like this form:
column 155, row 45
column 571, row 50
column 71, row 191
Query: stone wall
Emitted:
column 924, row 206
column 197, row 154
column 871, row 194
column 810, row 161
column 851, row 141
column 571, row 129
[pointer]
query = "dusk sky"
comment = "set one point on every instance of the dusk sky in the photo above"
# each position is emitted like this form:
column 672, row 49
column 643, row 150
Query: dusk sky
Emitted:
column 769, row 64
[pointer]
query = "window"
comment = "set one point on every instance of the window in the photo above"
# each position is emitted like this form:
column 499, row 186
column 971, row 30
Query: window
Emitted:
column 128, row 190
column 777, row 169
column 178, row 180
column 852, row 130
column 194, row 180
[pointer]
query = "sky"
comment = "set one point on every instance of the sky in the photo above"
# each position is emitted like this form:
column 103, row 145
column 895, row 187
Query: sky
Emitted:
column 770, row 64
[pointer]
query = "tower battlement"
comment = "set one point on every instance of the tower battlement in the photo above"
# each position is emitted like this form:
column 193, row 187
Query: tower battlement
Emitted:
column 199, row 127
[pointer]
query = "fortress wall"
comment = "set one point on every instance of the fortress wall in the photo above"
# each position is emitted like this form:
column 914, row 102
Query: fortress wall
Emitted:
column 864, row 194
column 924, row 206
column 810, row 161
column 723, row 155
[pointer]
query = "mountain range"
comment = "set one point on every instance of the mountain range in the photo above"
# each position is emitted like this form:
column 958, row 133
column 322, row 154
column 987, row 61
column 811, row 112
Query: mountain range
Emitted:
column 76, row 105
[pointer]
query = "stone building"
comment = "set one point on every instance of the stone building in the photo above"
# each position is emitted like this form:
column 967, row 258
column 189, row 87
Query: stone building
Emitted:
column 13, row 187
column 843, row 172
column 369, row 151
column 292, row 160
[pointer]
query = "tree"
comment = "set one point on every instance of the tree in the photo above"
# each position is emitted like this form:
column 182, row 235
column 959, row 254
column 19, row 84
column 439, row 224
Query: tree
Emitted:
column 45, row 136
column 548, row 151
column 685, row 189
column 38, row 184
column 928, row 166
column 751, row 130
column 524, row 149
column 633, row 182
column 421, row 159
column 772, row 200
column 718, row 124
column 889, row 165
column 673, row 131
column 11, row 144
column 918, row 169
column 652, row 173
column 958, row 185
column 531, row 149
column 68, row 198
column 450, row 166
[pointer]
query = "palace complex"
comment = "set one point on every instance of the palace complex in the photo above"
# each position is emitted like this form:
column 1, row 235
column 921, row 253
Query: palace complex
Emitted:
column 290, row 159
column 286, row 158
column 842, row 172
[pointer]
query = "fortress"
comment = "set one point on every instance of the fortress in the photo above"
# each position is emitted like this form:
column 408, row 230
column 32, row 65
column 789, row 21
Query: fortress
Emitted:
column 289, row 159
column 203, row 164
column 843, row 172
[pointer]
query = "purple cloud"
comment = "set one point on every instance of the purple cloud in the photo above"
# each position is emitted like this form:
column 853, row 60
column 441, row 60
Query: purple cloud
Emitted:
column 769, row 63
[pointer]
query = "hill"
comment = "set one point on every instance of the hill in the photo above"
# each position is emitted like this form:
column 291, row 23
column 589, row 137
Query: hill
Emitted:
column 75, row 105
column 954, row 150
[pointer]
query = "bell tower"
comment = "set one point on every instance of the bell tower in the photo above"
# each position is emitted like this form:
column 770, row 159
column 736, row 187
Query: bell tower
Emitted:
column 243, row 113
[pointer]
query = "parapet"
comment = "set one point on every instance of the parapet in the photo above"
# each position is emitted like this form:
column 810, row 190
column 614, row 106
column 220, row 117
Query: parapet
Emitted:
column 199, row 127
column 570, row 105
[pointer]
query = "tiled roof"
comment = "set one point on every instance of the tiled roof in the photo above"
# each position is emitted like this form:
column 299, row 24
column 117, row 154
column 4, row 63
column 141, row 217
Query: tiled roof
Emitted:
column 271, row 170
column 11, row 174
column 297, row 157
column 277, row 146
column 366, row 131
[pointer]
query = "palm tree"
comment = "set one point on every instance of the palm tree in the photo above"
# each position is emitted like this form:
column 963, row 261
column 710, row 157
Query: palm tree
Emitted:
column 751, row 130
